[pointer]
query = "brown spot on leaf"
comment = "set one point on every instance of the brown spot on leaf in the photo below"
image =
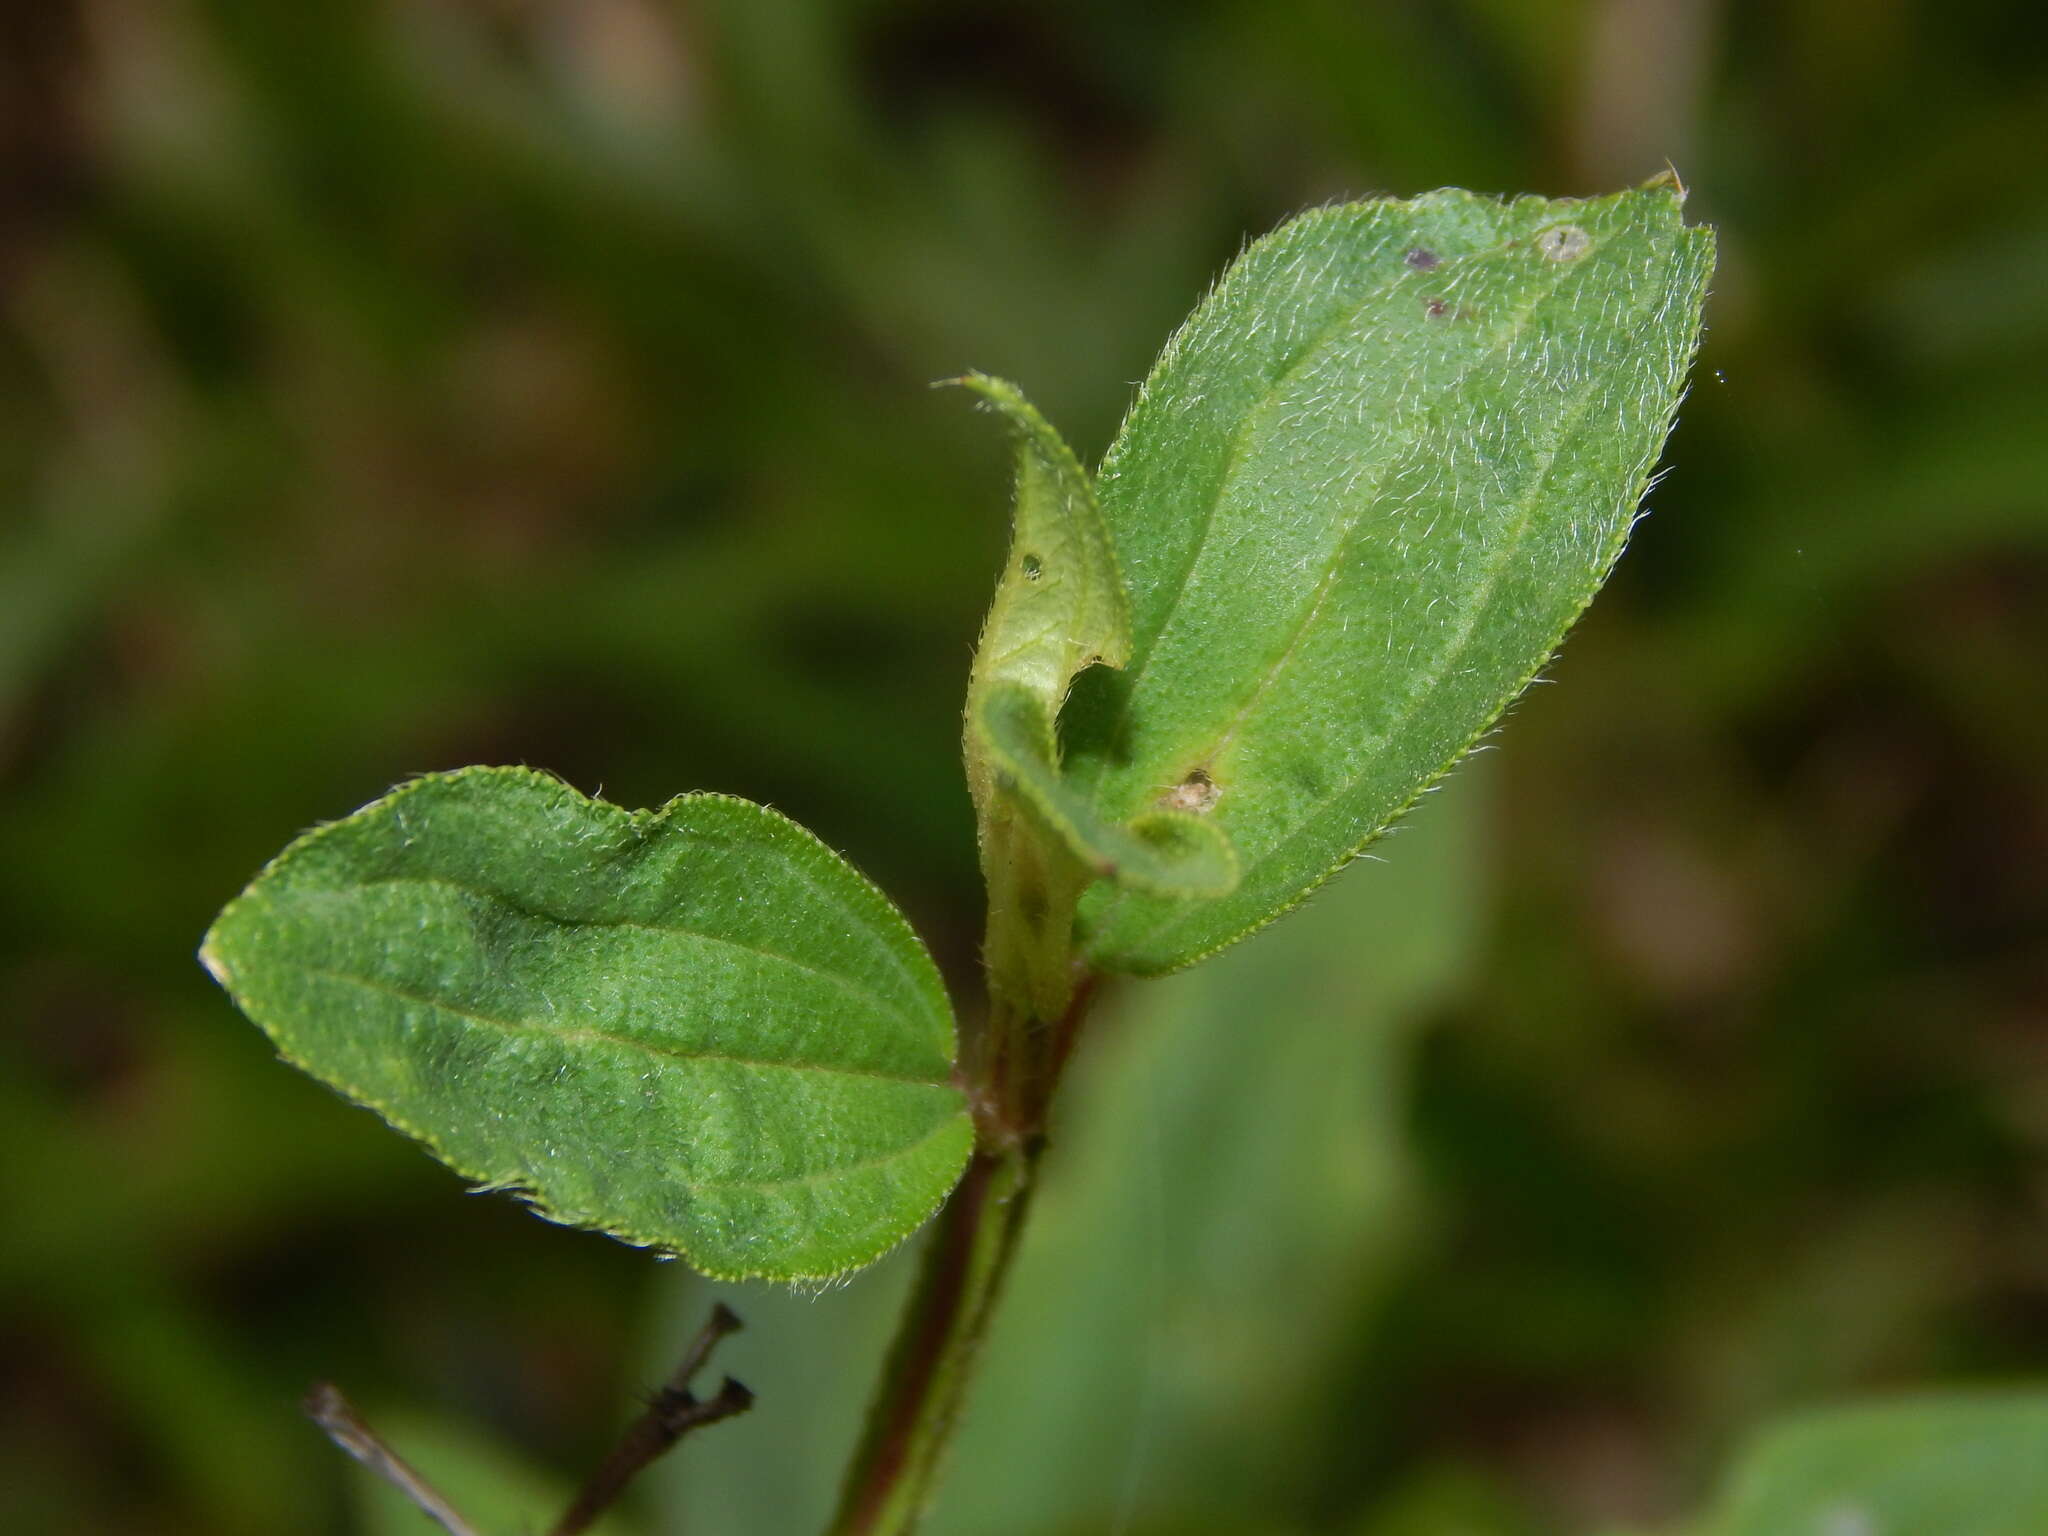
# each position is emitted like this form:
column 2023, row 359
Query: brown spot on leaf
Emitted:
column 1197, row 793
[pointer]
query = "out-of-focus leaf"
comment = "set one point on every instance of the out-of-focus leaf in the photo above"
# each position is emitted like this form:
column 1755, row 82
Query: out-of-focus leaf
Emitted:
column 1447, row 1500
column 1931, row 1466
column 1359, row 501
column 695, row 1027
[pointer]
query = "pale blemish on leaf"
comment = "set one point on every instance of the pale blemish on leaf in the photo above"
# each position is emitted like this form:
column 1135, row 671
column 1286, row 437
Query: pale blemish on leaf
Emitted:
column 1567, row 242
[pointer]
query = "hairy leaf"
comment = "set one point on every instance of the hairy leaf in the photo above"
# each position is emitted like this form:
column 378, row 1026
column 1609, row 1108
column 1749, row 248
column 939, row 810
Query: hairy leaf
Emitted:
column 1059, row 608
column 1170, row 853
column 1364, row 493
column 696, row 1028
column 1933, row 1466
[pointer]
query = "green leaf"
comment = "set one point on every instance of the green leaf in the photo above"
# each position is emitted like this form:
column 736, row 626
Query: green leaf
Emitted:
column 1170, row 853
column 1059, row 608
column 1364, row 493
column 1932, row 1466
column 1230, row 1192
column 696, row 1028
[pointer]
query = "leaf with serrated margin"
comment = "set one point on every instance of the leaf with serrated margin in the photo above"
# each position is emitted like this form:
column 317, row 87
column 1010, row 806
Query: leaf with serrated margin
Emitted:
column 695, row 1028
column 1167, row 853
column 1362, row 496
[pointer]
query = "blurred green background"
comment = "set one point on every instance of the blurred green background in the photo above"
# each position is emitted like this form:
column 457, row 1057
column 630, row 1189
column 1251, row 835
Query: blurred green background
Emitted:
column 397, row 384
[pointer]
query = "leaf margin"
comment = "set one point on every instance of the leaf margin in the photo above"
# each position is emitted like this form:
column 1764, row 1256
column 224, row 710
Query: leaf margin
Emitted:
column 1695, row 248
column 910, row 948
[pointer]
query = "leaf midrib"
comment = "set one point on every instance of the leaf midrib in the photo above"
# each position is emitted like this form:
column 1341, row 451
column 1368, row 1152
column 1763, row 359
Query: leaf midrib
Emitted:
column 1487, row 590
column 792, row 846
column 1234, row 451
column 591, row 1033
column 1504, row 337
column 513, row 904
column 881, row 920
column 879, row 1160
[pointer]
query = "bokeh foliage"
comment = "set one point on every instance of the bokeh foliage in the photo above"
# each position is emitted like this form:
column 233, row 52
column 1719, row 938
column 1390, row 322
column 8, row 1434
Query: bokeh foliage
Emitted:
column 391, row 385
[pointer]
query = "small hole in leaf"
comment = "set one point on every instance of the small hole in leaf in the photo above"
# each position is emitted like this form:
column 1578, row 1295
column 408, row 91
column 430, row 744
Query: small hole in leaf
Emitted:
column 1197, row 793
column 1422, row 258
column 1567, row 242
column 1031, row 567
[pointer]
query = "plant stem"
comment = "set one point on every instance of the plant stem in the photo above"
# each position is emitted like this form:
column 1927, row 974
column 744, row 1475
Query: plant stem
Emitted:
column 924, row 1380
column 326, row 1407
column 967, row 1256
column 674, row 1412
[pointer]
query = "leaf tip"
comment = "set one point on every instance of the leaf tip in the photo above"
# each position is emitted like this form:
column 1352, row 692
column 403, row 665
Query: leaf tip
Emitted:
column 215, row 966
column 1667, row 180
column 1000, row 393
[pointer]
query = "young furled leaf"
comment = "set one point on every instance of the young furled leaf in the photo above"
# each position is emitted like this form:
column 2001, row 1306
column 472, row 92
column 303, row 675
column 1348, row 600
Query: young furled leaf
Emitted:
column 1365, row 491
column 696, row 1028
column 1059, row 608
column 1059, row 605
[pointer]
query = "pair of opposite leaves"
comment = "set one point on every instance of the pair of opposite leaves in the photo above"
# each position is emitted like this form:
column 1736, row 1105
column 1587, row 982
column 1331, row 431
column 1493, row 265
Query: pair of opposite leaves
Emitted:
column 1364, row 492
